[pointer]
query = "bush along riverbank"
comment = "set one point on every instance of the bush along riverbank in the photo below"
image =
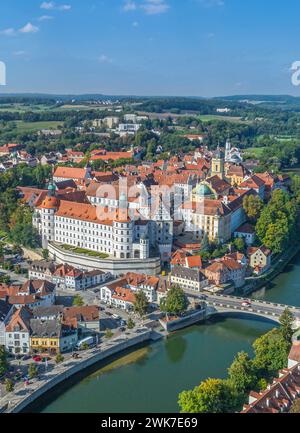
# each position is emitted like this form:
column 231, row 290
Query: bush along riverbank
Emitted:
column 245, row 374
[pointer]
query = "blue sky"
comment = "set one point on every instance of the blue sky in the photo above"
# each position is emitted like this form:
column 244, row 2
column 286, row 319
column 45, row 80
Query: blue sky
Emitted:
column 150, row 47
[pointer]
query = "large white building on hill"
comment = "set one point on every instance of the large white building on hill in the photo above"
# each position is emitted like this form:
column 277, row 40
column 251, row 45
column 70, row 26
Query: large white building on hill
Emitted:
column 85, row 226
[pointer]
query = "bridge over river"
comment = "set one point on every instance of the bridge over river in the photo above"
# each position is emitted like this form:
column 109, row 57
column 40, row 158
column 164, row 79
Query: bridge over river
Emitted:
column 222, row 304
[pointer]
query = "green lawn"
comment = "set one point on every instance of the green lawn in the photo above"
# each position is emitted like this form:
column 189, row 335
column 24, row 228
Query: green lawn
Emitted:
column 78, row 250
column 210, row 117
column 36, row 126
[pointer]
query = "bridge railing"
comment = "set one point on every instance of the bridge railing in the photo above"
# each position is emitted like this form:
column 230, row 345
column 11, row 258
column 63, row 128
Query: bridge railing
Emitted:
column 258, row 301
column 245, row 309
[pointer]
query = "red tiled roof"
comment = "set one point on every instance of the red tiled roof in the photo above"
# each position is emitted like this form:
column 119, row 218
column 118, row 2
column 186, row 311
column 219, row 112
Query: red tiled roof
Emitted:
column 70, row 173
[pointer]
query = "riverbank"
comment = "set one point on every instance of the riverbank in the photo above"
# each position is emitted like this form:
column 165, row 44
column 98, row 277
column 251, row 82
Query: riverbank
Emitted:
column 24, row 396
column 277, row 268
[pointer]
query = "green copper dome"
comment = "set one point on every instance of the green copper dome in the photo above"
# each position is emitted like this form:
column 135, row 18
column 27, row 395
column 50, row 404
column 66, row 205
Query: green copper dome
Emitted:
column 203, row 190
column 51, row 188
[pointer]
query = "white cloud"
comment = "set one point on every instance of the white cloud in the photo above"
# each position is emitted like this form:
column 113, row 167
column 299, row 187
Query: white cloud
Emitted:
column 19, row 53
column 104, row 59
column 53, row 6
column 45, row 18
column 153, row 7
column 129, row 5
column 211, row 3
column 8, row 32
column 47, row 5
column 150, row 7
column 29, row 28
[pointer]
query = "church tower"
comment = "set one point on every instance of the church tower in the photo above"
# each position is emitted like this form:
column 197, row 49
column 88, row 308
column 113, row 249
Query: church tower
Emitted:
column 217, row 164
column 227, row 151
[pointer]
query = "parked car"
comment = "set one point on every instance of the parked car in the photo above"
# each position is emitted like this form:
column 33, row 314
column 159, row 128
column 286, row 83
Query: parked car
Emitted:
column 25, row 357
column 37, row 358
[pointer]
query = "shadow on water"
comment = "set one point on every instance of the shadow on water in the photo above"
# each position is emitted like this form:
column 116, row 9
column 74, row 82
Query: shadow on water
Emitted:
column 138, row 355
column 175, row 348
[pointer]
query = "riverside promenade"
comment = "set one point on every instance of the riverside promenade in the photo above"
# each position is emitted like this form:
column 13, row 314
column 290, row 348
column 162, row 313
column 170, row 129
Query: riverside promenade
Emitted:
column 23, row 396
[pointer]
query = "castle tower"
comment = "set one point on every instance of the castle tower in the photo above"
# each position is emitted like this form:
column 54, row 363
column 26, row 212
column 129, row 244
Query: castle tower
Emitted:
column 217, row 164
column 47, row 212
column 122, row 231
column 144, row 247
column 162, row 230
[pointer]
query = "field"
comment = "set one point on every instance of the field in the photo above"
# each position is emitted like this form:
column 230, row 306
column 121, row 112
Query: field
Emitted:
column 211, row 117
column 36, row 126
column 255, row 151
column 13, row 108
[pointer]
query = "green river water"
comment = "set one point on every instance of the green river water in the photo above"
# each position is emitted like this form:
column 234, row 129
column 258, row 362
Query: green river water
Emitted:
column 150, row 378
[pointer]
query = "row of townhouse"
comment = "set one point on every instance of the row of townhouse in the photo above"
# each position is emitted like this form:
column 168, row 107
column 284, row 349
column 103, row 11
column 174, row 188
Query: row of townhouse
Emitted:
column 66, row 277
column 50, row 330
column 189, row 272
column 33, row 293
column 121, row 293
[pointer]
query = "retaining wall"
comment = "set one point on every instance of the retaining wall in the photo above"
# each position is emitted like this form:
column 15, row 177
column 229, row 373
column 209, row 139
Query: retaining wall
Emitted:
column 79, row 366
column 117, row 267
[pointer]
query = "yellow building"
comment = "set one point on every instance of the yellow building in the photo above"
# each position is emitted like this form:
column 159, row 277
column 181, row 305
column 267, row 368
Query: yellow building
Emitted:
column 236, row 173
column 208, row 217
column 52, row 336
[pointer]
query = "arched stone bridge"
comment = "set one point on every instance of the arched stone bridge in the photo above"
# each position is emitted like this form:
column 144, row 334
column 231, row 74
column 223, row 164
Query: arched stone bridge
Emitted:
column 222, row 304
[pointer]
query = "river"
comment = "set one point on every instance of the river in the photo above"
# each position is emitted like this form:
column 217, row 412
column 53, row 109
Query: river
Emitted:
column 150, row 378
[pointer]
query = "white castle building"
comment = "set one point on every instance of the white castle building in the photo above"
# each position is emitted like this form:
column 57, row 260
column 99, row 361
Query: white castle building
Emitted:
column 87, row 226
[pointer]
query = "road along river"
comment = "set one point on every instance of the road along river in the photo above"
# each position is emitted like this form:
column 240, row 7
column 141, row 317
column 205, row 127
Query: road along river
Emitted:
column 150, row 378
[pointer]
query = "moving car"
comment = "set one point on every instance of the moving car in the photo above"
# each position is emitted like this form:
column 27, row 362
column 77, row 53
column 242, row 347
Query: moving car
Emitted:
column 246, row 304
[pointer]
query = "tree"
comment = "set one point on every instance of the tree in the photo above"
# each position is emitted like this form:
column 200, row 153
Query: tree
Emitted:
column 286, row 325
column 78, row 301
column 276, row 226
column 175, row 302
column 211, row 396
column 21, row 229
column 45, row 254
column 253, row 206
column 271, row 353
column 141, row 303
column 108, row 333
column 242, row 373
column 3, row 360
column 130, row 323
column 240, row 244
column 204, row 244
column 9, row 385
column 59, row 358
column 32, row 371
column 295, row 406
